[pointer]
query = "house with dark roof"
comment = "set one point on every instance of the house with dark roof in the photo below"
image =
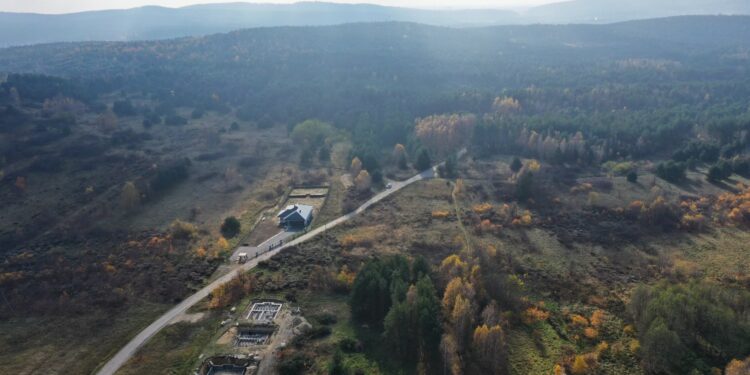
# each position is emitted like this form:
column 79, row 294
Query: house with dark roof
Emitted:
column 295, row 216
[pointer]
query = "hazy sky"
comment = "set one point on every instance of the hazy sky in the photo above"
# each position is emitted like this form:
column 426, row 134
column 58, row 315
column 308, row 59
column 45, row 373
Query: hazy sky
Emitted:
column 67, row 6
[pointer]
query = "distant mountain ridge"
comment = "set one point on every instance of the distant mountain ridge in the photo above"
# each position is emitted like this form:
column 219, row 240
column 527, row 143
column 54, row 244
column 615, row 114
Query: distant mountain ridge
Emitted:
column 152, row 22
column 607, row 11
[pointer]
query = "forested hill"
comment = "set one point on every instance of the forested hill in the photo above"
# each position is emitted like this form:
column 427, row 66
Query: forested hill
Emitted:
column 396, row 50
column 149, row 23
column 403, row 70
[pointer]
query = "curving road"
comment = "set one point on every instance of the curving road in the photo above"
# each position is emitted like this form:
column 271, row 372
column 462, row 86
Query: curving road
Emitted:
column 141, row 338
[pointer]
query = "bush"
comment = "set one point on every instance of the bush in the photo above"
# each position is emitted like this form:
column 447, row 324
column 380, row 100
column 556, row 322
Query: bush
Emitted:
column 175, row 120
column 326, row 318
column 182, row 230
column 524, row 186
column 349, row 345
column 170, row 176
column 123, row 108
column 671, row 171
column 318, row 332
column 632, row 177
column 197, row 113
column 230, row 227
column 293, row 364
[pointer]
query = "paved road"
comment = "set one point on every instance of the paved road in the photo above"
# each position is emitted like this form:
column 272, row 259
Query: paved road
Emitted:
column 141, row 338
column 278, row 239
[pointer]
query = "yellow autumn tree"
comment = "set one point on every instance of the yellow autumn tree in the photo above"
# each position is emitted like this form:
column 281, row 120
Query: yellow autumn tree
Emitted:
column 451, row 356
column 222, row 243
column 399, row 152
column 452, row 291
column 355, row 167
column 580, row 366
column 506, row 105
column 444, row 133
column 363, row 181
column 462, row 318
column 737, row 367
column 452, row 266
column 459, row 187
column 129, row 196
column 533, row 166
column 597, row 318
column 489, row 346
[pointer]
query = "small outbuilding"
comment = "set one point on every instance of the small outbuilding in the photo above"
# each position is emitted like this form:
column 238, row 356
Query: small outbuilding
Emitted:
column 295, row 216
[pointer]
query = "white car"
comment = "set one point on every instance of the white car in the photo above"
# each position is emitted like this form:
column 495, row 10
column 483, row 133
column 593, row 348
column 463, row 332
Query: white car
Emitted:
column 388, row 186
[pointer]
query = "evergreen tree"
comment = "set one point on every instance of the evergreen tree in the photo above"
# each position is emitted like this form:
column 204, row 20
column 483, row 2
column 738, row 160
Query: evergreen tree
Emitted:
column 423, row 160
column 230, row 227
column 516, row 165
column 632, row 177
column 524, row 186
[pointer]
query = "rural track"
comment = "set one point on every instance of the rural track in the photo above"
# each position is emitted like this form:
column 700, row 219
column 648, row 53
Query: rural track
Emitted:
column 124, row 354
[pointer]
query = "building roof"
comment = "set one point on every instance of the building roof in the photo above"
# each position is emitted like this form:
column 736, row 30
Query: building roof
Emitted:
column 296, row 212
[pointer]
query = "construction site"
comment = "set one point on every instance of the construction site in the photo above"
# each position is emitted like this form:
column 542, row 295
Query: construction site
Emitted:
column 251, row 337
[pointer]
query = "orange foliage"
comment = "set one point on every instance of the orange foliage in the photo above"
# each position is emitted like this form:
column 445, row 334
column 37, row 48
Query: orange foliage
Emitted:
column 222, row 243
column 579, row 365
column 452, row 266
column 524, row 220
column 364, row 236
column 109, row 268
column 506, row 105
column 737, row 367
column 590, row 333
column 482, row 208
column 602, row 347
column 440, row 214
column 346, row 277
column 736, row 207
column 231, row 291
column 534, row 314
column 579, row 320
column 691, row 221
column 155, row 241
column 597, row 318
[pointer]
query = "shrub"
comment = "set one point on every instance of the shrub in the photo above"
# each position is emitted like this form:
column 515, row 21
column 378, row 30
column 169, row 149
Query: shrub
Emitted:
column 230, row 227
column 326, row 318
column 175, row 120
column 123, row 108
column 632, row 177
column 524, row 186
column 671, row 171
column 439, row 214
column 293, row 364
column 183, row 230
column 197, row 113
column 170, row 176
column 349, row 345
